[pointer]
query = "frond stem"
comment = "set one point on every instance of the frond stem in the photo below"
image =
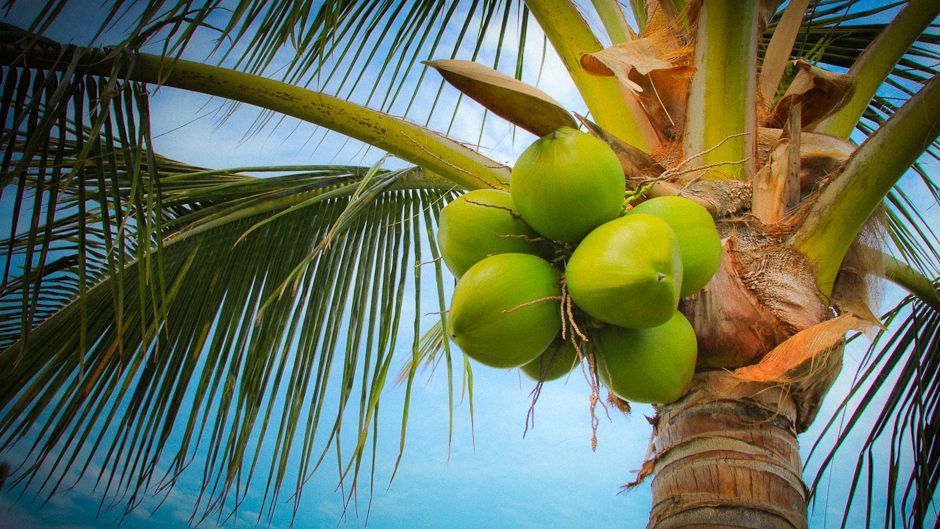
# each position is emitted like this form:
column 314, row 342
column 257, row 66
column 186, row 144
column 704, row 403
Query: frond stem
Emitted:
column 906, row 277
column 408, row 141
column 876, row 62
column 835, row 219
column 615, row 109
column 723, row 90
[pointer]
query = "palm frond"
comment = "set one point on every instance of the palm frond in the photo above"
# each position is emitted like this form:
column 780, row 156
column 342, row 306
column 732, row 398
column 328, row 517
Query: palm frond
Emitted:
column 203, row 373
column 900, row 373
column 88, row 192
column 173, row 298
column 835, row 33
column 69, row 142
column 411, row 142
column 360, row 51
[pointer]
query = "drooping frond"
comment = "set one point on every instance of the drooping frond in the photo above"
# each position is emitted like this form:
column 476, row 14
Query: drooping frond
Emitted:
column 369, row 52
column 89, row 197
column 407, row 140
column 85, row 191
column 263, row 332
column 892, row 407
column 205, row 308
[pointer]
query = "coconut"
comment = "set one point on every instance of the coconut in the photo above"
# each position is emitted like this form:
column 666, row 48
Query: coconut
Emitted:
column 480, row 223
column 557, row 361
column 567, row 183
column 699, row 242
column 647, row 365
column 627, row 272
column 505, row 309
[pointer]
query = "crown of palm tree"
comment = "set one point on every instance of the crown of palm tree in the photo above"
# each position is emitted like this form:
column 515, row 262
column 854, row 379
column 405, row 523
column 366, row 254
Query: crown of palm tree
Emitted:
column 155, row 311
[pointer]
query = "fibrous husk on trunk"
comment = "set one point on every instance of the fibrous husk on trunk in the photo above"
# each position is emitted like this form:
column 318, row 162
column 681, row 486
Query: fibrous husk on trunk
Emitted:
column 821, row 155
column 763, row 293
column 721, row 198
column 806, row 365
column 726, row 455
column 858, row 287
column 795, row 164
column 776, row 188
column 673, row 13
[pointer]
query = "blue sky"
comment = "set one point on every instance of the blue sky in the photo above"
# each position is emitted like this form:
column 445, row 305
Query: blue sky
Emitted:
column 492, row 477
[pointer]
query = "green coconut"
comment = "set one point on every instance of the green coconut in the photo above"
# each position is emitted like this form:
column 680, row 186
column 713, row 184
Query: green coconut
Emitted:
column 480, row 223
column 505, row 309
column 567, row 183
column 647, row 365
column 627, row 272
column 557, row 361
column 699, row 242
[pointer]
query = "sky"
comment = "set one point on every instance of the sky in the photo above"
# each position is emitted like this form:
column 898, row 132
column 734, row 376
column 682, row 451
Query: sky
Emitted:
column 495, row 474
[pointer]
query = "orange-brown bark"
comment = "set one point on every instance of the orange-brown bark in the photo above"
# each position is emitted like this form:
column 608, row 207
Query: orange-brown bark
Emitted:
column 726, row 455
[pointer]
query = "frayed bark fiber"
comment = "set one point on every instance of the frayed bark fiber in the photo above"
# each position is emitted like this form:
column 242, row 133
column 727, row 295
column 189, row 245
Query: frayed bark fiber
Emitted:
column 754, row 301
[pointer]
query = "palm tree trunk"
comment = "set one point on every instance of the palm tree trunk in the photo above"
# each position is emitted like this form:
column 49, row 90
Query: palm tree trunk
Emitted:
column 726, row 455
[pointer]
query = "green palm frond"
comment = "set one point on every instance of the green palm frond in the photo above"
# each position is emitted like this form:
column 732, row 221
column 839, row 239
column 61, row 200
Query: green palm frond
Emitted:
column 71, row 141
column 173, row 298
column 834, row 34
column 360, row 51
column 912, row 236
column 204, row 370
column 142, row 280
column 87, row 191
column 900, row 373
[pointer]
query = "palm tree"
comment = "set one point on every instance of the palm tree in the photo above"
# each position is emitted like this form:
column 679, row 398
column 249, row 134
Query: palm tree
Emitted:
column 157, row 311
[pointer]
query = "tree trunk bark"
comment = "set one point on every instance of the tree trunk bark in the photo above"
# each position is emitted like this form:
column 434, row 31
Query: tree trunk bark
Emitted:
column 726, row 455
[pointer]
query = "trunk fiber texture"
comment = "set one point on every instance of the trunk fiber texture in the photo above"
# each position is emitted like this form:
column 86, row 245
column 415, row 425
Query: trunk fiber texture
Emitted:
column 726, row 455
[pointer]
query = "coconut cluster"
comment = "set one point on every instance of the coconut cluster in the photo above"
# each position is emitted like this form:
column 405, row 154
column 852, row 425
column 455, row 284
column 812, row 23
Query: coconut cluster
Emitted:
column 563, row 227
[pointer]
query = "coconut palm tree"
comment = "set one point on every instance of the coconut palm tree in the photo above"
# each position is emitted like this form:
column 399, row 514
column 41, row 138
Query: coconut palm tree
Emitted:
column 156, row 311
